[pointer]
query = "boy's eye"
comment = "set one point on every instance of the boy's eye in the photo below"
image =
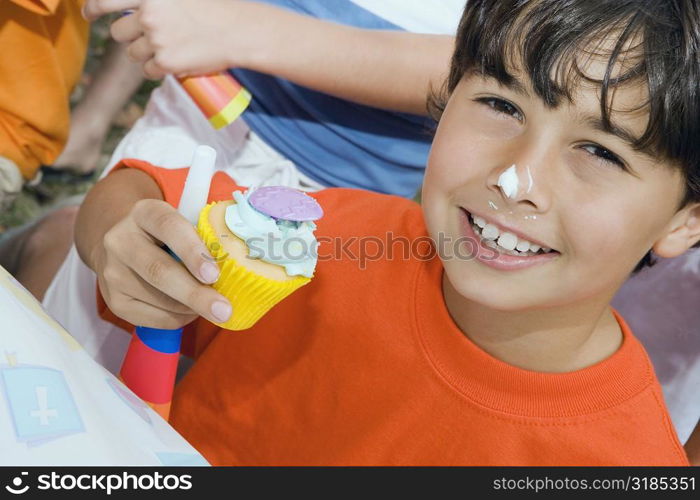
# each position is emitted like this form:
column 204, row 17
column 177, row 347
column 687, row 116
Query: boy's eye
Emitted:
column 604, row 155
column 501, row 106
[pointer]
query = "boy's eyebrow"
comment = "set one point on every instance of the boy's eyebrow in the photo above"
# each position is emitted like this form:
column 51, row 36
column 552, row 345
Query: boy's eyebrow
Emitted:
column 596, row 123
column 513, row 84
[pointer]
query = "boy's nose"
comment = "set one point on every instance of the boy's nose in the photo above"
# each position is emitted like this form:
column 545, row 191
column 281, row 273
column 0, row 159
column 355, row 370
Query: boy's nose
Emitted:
column 520, row 184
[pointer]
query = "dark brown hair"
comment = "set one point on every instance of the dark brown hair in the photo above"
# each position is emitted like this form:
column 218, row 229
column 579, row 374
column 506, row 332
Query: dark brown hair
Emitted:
column 659, row 41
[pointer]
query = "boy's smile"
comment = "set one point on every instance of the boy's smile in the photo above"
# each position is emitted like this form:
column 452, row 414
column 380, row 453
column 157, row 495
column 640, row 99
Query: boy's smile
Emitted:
column 502, row 247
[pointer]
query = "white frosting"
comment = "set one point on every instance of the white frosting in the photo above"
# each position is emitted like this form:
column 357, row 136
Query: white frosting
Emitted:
column 509, row 182
column 285, row 243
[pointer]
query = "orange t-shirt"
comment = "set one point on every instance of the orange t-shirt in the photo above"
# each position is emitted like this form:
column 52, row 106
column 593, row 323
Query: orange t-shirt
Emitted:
column 366, row 366
column 43, row 44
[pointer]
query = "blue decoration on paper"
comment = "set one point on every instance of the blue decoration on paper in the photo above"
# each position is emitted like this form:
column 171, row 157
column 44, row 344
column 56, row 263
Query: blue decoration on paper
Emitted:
column 40, row 403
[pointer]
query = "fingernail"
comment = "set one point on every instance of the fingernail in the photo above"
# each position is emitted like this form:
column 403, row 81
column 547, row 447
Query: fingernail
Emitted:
column 221, row 311
column 209, row 272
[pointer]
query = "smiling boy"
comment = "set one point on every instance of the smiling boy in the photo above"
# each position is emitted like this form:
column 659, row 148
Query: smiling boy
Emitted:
column 565, row 152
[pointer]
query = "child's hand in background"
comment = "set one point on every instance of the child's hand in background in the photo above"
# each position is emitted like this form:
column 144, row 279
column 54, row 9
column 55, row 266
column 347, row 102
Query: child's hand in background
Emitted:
column 383, row 68
column 143, row 284
column 185, row 37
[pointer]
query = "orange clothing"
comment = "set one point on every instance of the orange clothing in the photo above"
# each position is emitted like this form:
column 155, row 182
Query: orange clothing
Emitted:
column 367, row 367
column 42, row 50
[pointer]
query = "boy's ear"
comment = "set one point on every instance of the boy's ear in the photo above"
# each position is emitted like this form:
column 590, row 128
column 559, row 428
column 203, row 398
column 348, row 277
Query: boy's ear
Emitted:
column 684, row 232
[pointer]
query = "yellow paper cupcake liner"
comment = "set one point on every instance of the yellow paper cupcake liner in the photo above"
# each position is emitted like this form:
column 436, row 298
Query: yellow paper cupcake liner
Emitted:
column 250, row 294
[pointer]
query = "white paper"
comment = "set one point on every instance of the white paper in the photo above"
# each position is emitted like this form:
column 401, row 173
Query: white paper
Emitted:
column 59, row 407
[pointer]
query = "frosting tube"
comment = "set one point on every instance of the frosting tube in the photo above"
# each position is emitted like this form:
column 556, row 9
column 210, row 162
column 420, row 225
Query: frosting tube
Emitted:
column 276, row 241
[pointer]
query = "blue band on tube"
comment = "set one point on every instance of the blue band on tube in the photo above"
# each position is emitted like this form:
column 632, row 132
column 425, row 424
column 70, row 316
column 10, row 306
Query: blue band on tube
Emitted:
column 158, row 339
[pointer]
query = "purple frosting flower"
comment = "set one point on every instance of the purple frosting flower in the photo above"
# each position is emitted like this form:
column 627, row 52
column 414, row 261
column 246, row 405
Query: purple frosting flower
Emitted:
column 285, row 203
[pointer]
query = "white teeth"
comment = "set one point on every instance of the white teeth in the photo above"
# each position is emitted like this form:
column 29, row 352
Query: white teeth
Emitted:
column 490, row 232
column 523, row 245
column 508, row 241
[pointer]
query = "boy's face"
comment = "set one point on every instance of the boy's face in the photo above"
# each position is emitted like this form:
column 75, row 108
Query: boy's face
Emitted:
column 564, row 183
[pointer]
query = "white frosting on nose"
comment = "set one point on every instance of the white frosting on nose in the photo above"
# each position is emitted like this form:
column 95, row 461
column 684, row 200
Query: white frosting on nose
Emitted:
column 509, row 182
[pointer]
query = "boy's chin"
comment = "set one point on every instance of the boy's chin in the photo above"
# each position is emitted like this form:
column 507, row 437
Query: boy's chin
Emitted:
column 493, row 294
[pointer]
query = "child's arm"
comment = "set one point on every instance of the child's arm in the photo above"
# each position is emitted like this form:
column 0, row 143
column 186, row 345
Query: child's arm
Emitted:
column 119, row 232
column 385, row 69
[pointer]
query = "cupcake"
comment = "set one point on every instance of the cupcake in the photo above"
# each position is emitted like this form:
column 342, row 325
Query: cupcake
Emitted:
column 264, row 245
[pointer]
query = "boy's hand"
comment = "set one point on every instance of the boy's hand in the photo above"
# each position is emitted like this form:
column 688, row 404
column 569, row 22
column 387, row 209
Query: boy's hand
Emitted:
column 184, row 37
column 143, row 284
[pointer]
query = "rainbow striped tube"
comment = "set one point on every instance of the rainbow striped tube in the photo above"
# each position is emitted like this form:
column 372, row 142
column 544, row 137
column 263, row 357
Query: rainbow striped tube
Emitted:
column 220, row 97
column 150, row 366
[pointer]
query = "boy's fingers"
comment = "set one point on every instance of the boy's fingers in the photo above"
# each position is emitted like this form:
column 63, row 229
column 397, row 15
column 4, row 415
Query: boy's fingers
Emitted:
column 140, row 290
column 98, row 8
column 141, row 313
column 162, row 222
column 126, row 29
column 140, row 50
column 167, row 275
column 152, row 70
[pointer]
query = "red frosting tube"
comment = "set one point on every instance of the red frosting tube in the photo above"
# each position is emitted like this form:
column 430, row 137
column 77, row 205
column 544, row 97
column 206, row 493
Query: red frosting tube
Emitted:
column 150, row 366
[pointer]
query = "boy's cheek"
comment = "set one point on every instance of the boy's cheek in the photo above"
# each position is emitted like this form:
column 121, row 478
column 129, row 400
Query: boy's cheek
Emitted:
column 451, row 166
column 606, row 250
column 459, row 153
column 435, row 206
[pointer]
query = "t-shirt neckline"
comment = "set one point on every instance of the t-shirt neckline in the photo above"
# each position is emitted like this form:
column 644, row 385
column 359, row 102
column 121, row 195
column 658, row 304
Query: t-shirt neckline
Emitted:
column 496, row 385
